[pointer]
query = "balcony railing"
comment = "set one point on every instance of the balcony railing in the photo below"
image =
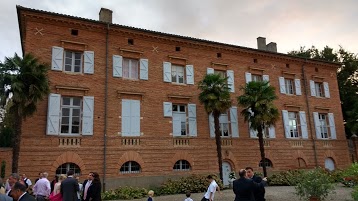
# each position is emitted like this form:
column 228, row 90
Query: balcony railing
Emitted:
column 296, row 143
column 181, row 142
column 69, row 142
column 130, row 141
column 327, row 144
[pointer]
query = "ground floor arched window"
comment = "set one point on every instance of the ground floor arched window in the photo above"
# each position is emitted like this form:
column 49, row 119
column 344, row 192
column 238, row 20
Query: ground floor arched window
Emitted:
column 64, row 168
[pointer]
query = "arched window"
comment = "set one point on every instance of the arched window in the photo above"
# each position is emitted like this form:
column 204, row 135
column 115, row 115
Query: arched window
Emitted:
column 64, row 168
column 301, row 163
column 268, row 163
column 329, row 164
column 181, row 165
column 130, row 167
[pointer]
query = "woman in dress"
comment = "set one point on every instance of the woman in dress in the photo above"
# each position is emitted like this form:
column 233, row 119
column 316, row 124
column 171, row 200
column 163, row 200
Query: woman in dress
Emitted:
column 94, row 191
column 56, row 195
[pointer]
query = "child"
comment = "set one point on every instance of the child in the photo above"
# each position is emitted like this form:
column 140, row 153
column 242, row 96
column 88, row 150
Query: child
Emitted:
column 150, row 195
column 188, row 196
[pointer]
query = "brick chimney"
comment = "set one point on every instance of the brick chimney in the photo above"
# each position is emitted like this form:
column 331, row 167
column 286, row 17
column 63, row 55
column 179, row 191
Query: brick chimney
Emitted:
column 272, row 47
column 105, row 15
column 261, row 43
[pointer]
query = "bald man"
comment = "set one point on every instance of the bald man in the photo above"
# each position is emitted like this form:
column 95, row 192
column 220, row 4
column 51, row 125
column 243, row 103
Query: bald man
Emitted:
column 244, row 188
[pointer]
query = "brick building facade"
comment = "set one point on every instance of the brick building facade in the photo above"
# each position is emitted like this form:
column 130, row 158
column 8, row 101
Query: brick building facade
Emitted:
column 124, row 103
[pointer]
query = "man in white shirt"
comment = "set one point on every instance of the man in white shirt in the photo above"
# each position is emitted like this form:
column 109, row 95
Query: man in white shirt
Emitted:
column 42, row 188
column 86, row 184
column 27, row 181
column 210, row 193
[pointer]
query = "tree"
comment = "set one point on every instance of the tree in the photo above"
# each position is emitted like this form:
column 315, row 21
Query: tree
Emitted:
column 23, row 83
column 259, row 110
column 215, row 96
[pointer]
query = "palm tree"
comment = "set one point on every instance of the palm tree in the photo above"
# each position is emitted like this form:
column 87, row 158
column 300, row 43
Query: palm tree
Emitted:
column 23, row 83
column 259, row 110
column 215, row 96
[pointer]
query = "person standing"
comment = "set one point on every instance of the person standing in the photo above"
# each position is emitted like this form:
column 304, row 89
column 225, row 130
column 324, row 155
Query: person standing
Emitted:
column 27, row 181
column 94, row 189
column 210, row 193
column 42, row 188
column 3, row 197
column 86, row 184
column 244, row 187
column 18, row 192
column 80, row 186
column 13, row 178
column 259, row 193
column 69, row 187
column 53, row 182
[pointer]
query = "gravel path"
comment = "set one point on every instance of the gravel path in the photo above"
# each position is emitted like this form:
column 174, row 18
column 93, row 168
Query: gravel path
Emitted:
column 273, row 193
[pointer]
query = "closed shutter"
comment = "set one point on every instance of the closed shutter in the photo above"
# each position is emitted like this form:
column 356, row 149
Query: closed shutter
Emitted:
column 272, row 132
column 248, row 77
column 53, row 114
column 192, row 120
column 87, row 120
column 313, row 88
column 332, row 126
column 135, row 118
column 126, row 117
column 230, row 80
column 234, row 122
column 143, row 73
column 168, row 109
column 303, row 123
column 286, row 123
column 298, row 87
column 209, row 71
column 282, row 85
column 265, row 77
column 117, row 65
column 189, row 74
column 167, row 72
column 176, row 125
column 317, row 125
column 89, row 62
column 326, row 90
column 211, row 125
column 57, row 58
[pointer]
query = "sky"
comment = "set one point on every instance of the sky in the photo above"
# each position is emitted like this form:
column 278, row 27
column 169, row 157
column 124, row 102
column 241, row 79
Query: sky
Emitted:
column 289, row 23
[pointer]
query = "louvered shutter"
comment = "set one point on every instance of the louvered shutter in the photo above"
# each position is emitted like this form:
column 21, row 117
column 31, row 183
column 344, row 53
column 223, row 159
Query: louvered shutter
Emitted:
column 89, row 62
column 192, row 120
column 298, row 86
column 272, row 132
column 143, row 74
column 317, row 125
column 87, row 120
column 230, row 80
column 168, row 109
column 303, row 123
column 189, row 74
column 57, row 58
column 265, row 77
column 326, row 90
column 53, row 114
column 176, row 125
column 126, row 117
column 282, row 85
column 234, row 122
column 135, row 118
column 248, row 77
column 332, row 125
column 117, row 65
column 209, row 71
column 286, row 123
column 167, row 72
column 313, row 88
column 211, row 125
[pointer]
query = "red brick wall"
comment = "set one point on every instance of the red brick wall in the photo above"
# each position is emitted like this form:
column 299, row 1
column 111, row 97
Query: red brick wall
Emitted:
column 6, row 155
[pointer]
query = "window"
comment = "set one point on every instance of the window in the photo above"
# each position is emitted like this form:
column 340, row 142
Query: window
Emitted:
column 180, row 112
column 256, row 78
column 70, row 115
column 221, row 73
column 64, row 168
column 130, row 41
column 268, row 163
column 265, row 132
column 73, row 61
column 224, row 125
column 323, row 128
column 319, row 89
column 181, row 165
column 130, row 68
column 289, row 86
column 74, row 32
column 301, row 163
column 178, row 74
column 177, row 48
column 294, row 125
column 130, row 167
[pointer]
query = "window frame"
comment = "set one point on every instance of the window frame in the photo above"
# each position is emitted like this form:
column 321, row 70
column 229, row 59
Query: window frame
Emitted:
column 179, row 112
column 221, row 125
column 181, row 166
column 256, row 78
column 130, row 67
column 67, row 168
column 71, row 107
column 289, row 86
column 323, row 125
column 319, row 89
column 130, row 166
column 296, row 119
column 268, row 163
column 176, row 67
column 73, row 61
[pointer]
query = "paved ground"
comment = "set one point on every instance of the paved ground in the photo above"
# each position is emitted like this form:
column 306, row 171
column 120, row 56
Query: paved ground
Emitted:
column 273, row 193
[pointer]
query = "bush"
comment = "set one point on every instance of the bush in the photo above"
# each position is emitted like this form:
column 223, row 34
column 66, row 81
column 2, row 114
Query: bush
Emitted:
column 350, row 175
column 355, row 193
column 125, row 193
column 286, row 178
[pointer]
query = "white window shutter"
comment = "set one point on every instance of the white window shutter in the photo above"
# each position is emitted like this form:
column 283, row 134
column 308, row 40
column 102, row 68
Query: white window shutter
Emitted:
column 248, row 77
column 313, row 88
column 117, row 65
column 209, row 71
column 189, row 74
column 286, row 123
column 126, row 117
column 317, row 125
column 265, row 77
column 53, row 114
column 230, row 80
column 253, row 132
column 303, row 122
column 298, row 87
column 176, row 125
column 57, row 58
column 326, row 90
column 87, row 117
column 332, row 126
column 234, row 122
column 282, row 85
column 212, row 125
column 167, row 72
column 135, row 118
column 88, row 62
column 168, row 109
column 272, row 132
column 192, row 120
column 143, row 73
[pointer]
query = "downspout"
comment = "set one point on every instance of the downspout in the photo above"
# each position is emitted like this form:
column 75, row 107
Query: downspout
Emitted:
column 313, row 137
column 105, row 116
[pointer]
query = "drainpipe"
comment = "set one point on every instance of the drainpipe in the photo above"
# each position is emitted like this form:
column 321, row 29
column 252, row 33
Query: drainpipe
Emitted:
column 313, row 137
column 105, row 116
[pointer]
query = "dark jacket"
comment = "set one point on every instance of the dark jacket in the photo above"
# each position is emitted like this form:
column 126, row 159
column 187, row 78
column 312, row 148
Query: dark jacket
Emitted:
column 69, row 188
column 27, row 197
column 259, row 193
column 94, row 192
column 244, row 189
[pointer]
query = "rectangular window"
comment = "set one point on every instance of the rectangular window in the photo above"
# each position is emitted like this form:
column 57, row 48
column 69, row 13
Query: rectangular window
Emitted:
column 130, row 68
column 224, row 125
column 221, row 73
column 323, row 126
column 289, row 86
column 73, row 61
column 180, row 111
column 178, row 74
column 256, row 78
column 70, row 115
column 265, row 132
column 294, row 124
column 319, row 89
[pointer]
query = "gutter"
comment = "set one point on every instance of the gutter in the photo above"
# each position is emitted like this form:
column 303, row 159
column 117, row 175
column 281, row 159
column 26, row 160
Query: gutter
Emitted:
column 105, row 116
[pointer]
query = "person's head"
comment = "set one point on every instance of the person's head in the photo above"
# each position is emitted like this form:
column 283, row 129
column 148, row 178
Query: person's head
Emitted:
column 17, row 190
column 78, row 179
column 70, row 173
column 249, row 172
column 90, row 176
column 55, row 178
column 13, row 178
column 242, row 173
column 96, row 177
column 40, row 175
column 188, row 194
column 23, row 176
column 151, row 193
column 210, row 178
column 44, row 175
column 62, row 177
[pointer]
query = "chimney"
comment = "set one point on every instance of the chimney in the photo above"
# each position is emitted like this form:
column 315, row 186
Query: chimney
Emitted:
column 105, row 15
column 261, row 43
column 272, row 47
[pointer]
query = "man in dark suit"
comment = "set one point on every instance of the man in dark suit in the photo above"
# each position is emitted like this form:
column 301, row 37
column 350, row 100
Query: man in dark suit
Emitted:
column 18, row 192
column 86, row 184
column 69, row 187
column 244, row 188
column 259, row 193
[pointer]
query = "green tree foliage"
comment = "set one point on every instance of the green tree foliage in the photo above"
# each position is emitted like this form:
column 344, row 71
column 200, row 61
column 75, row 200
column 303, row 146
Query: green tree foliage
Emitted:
column 215, row 96
column 347, row 80
column 23, row 83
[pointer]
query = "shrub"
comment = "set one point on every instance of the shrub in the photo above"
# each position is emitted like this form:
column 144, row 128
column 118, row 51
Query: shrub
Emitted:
column 355, row 193
column 125, row 193
column 350, row 175
column 286, row 178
